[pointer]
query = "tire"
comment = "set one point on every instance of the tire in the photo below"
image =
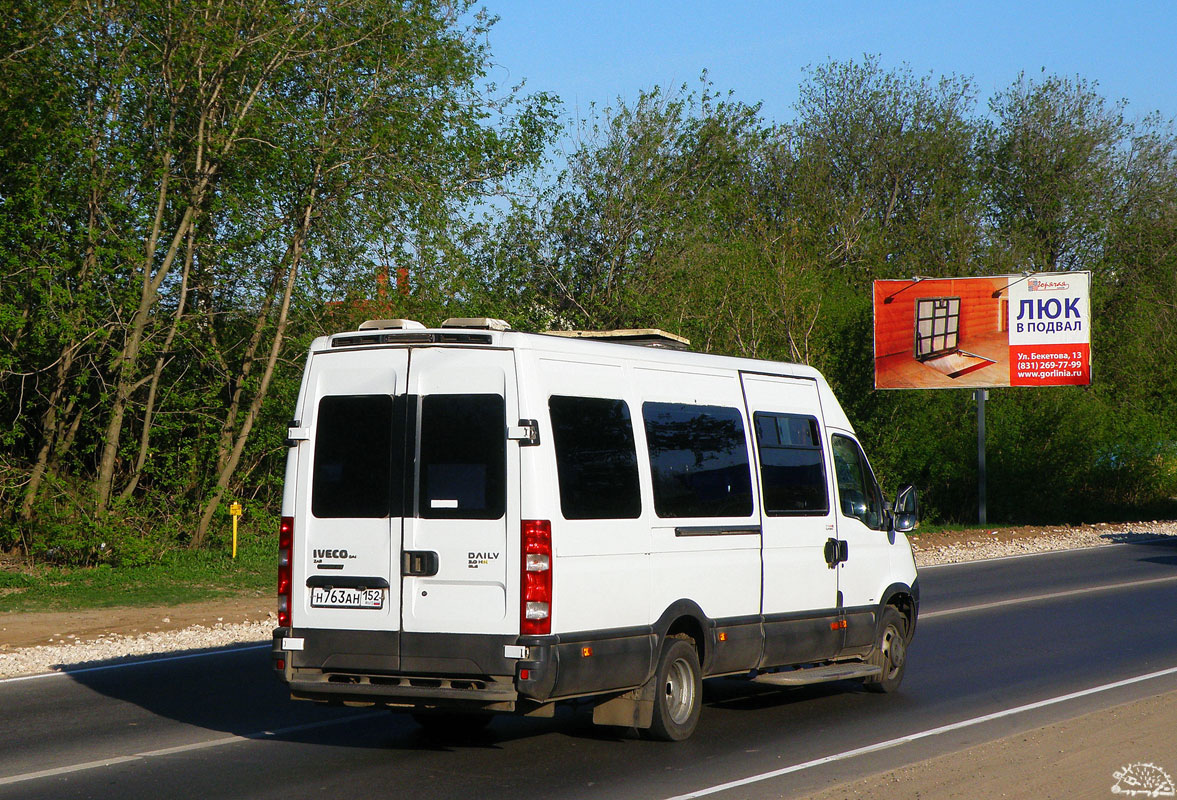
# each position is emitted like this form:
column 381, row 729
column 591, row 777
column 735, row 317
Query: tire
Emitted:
column 890, row 652
column 678, row 692
column 452, row 726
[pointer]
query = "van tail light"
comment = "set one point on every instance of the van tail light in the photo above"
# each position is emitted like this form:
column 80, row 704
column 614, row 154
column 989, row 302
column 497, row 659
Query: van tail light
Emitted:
column 535, row 595
column 285, row 575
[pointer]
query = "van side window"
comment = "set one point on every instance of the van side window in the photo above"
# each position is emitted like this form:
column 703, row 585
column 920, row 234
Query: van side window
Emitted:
column 355, row 467
column 596, row 460
column 792, row 470
column 699, row 460
column 857, row 490
column 463, row 462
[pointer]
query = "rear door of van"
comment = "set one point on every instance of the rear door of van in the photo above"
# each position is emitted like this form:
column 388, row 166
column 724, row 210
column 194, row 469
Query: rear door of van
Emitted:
column 406, row 521
column 460, row 572
column 347, row 568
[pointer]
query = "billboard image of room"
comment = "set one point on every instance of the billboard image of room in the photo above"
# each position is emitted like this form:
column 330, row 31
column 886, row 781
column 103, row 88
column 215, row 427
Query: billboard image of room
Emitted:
column 1002, row 330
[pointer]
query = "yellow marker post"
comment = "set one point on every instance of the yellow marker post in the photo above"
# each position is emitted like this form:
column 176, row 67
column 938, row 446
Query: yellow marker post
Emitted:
column 235, row 512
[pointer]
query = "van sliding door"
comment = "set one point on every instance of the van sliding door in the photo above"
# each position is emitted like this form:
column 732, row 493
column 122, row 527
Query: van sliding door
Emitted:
column 800, row 590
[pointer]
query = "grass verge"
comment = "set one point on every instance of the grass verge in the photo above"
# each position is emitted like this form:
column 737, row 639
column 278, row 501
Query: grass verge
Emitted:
column 181, row 576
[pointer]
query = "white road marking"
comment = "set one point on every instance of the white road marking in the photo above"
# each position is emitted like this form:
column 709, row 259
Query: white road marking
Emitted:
column 1013, row 601
column 139, row 663
column 184, row 748
column 890, row 743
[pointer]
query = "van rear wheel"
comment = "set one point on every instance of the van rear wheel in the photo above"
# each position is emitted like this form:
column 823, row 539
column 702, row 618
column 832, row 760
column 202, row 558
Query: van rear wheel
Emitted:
column 890, row 652
column 678, row 692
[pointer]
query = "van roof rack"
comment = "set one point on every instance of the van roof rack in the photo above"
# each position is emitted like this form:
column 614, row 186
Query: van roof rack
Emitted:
column 643, row 337
column 391, row 325
column 482, row 323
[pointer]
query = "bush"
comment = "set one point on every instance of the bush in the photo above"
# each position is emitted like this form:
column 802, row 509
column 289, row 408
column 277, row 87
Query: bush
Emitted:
column 132, row 533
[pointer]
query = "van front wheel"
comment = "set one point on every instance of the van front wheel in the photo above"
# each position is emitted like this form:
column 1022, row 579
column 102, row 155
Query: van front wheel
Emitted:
column 678, row 692
column 890, row 652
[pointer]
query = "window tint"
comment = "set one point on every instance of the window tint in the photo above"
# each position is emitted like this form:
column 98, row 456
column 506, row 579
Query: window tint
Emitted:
column 596, row 460
column 699, row 460
column 355, row 467
column 792, row 470
column 463, row 460
column 857, row 491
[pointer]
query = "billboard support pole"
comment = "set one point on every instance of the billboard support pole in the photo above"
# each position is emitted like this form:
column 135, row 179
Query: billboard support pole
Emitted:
column 982, row 395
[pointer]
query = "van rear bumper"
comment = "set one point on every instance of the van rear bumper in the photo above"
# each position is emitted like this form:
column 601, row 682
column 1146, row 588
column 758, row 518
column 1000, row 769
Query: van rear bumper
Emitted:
column 406, row 691
column 393, row 668
column 493, row 672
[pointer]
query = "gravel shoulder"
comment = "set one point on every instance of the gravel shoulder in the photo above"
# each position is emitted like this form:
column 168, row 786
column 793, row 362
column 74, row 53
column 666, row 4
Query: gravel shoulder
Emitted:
column 951, row 547
column 32, row 643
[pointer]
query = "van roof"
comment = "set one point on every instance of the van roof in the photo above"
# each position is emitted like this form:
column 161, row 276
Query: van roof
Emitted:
column 620, row 343
column 563, row 342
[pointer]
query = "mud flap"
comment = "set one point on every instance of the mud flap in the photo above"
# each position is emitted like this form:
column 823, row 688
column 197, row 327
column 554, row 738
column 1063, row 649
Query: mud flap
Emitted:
column 634, row 709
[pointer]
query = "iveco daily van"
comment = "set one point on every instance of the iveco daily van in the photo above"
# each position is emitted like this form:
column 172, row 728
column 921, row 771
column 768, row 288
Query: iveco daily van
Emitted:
column 478, row 520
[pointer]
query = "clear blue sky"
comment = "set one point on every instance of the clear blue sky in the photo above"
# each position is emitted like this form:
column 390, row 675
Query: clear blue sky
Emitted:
column 591, row 51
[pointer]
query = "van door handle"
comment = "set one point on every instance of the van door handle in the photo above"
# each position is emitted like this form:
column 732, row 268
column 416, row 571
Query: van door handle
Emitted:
column 346, row 582
column 836, row 552
column 419, row 562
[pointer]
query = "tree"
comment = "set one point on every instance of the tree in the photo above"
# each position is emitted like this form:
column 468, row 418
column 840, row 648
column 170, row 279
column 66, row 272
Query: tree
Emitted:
column 224, row 165
column 1052, row 161
column 886, row 170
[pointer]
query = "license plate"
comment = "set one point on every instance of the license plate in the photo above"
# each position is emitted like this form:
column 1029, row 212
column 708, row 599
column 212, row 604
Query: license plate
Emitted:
column 325, row 597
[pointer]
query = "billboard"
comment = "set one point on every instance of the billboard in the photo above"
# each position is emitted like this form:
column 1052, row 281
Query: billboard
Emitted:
column 999, row 330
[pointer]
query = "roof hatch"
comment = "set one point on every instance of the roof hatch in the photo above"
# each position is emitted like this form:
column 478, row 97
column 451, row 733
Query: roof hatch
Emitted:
column 645, row 337
column 391, row 325
column 481, row 323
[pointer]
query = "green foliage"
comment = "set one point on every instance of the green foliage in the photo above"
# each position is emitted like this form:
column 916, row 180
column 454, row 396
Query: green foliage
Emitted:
column 180, row 576
column 137, row 531
column 885, row 168
column 1052, row 162
column 188, row 196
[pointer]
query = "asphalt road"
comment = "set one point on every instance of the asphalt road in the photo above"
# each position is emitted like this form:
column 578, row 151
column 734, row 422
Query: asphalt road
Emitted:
column 1055, row 632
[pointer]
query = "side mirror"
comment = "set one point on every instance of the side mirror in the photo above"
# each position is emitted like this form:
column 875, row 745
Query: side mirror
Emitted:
column 907, row 509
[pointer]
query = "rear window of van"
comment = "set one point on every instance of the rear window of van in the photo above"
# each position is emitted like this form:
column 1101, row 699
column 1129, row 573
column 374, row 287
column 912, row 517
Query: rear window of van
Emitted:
column 355, row 463
column 463, row 463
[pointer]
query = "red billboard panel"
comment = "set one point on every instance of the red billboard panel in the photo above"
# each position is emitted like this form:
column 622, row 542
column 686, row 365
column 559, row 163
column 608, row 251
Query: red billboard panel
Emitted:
column 1004, row 330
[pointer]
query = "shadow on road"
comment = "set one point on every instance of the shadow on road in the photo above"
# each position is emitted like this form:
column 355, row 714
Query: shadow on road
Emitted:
column 1159, row 549
column 234, row 692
